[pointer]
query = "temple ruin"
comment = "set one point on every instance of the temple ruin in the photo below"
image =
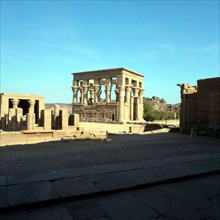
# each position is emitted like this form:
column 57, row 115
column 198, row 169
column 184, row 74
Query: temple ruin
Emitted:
column 200, row 106
column 27, row 112
column 111, row 95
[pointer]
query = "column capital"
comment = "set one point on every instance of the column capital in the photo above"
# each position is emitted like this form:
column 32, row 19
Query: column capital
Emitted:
column 85, row 88
column 31, row 102
column 136, row 90
column 141, row 91
column 128, row 88
column 121, row 88
column 15, row 103
column 75, row 89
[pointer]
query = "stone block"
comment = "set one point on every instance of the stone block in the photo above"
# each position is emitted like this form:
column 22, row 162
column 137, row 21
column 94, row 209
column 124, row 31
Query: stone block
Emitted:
column 3, row 197
column 33, row 177
column 54, row 213
column 125, row 206
column 27, row 193
column 74, row 120
column 46, row 117
column 111, row 181
column 86, row 209
column 166, row 205
column 64, row 118
column 74, row 187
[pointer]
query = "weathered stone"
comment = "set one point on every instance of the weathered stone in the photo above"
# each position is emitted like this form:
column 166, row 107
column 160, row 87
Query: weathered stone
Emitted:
column 89, row 104
column 200, row 106
column 26, row 193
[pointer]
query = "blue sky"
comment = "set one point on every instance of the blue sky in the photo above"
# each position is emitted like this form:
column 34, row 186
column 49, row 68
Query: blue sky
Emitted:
column 169, row 42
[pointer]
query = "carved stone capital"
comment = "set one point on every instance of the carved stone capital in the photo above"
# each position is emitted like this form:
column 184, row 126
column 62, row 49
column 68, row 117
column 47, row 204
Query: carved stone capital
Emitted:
column 75, row 89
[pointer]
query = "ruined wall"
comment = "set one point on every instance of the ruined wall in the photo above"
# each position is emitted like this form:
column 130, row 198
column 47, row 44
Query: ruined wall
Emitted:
column 27, row 112
column 14, row 109
column 200, row 105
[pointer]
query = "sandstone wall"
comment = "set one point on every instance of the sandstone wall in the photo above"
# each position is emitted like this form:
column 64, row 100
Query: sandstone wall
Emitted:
column 200, row 106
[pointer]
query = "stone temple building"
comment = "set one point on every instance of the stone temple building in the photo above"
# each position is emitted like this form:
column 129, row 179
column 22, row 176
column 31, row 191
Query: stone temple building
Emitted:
column 200, row 106
column 110, row 95
column 27, row 112
column 15, row 108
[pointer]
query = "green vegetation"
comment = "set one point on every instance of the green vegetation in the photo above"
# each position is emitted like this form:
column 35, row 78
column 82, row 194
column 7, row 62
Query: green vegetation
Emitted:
column 150, row 114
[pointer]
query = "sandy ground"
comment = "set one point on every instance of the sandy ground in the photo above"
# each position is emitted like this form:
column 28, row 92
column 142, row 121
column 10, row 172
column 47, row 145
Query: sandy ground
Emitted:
column 122, row 148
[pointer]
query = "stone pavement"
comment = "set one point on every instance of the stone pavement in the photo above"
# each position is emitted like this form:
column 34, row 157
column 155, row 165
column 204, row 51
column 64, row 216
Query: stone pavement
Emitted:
column 132, row 184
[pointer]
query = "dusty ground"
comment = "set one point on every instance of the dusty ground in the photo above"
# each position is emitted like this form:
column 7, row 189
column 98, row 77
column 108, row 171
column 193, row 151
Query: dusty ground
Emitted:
column 122, row 148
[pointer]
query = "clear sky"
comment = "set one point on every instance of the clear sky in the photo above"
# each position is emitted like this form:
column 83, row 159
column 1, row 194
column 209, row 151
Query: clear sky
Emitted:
column 169, row 42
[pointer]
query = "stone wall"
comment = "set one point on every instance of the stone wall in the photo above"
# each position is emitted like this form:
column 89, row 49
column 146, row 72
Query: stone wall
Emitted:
column 200, row 106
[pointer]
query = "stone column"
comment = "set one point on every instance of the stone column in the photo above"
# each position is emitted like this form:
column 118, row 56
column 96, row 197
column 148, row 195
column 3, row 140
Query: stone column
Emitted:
column 47, row 119
column 140, row 112
column 121, row 103
column 96, row 93
column 31, row 106
column 136, row 91
column 15, row 103
column 132, row 108
column 136, row 101
column 64, row 118
column 30, row 115
column 75, row 93
column 85, row 90
column 108, row 90
column 56, row 117
column 81, row 94
column 117, row 94
column 30, row 118
column 128, row 94
column 99, row 95
column 92, row 94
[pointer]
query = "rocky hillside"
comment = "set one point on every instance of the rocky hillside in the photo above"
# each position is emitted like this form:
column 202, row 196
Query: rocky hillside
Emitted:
column 161, row 105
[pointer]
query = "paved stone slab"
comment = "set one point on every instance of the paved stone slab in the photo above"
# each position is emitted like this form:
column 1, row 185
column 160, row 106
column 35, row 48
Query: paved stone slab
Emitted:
column 213, row 160
column 143, row 176
column 129, row 166
column 14, row 215
column 196, row 167
column 86, row 209
column 3, row 197
column 55, row 213
column 185, row 196
column 165, row 172
column 206, row 189
column 213, row 212
column 167, row 205
column 30, row 193
column 124, row 206
column 3, row 180
column 74, row 187
column 190, row 158
column 111, row 181
column 79, row 172
column 33, row 177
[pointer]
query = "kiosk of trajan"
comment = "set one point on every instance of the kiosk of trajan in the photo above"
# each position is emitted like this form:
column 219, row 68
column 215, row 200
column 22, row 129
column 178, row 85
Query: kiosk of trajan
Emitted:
column 111, row 95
